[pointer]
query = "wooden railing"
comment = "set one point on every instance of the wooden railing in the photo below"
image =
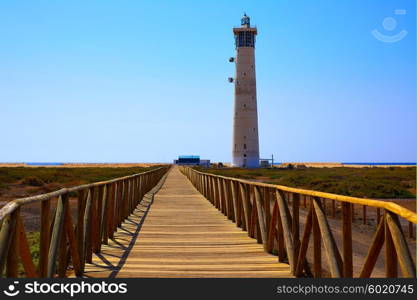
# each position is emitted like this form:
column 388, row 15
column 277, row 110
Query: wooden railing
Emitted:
column 67, row 244
column 271, row 214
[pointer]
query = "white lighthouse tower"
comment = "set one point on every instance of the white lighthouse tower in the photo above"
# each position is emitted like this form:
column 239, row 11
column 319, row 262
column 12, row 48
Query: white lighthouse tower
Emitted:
column 245, row 145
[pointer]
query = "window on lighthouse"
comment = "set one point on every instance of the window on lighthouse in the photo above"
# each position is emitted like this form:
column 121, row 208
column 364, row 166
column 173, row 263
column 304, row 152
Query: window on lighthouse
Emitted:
column 244, row 146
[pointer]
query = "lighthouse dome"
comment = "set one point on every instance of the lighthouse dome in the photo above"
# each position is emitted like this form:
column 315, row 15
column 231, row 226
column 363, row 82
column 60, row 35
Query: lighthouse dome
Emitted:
column 245, row 20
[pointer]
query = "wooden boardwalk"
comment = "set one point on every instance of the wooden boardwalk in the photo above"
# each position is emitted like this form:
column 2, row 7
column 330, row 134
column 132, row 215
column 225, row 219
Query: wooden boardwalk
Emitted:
column 180, row 234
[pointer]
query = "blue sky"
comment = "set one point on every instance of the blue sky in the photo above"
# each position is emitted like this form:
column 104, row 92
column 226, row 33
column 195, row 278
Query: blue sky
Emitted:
column 135, row 81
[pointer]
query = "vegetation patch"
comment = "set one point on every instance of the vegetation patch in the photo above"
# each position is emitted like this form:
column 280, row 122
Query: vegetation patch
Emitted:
column 22, row 181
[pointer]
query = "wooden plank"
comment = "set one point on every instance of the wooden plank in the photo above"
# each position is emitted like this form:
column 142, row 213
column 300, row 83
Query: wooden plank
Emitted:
column 183, row 235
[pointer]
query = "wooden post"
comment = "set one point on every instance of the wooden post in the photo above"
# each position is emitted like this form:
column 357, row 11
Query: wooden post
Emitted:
column 105, row 214
column 94, row 219
column 56, row 234
column 390, row 254
column 296, row 226
column 87, row 229
column 247, row 211
column 72, row 242
column 347, row 239
column 266, row 195
column 287, row 229
column 236, row 216
column 316, row 246
column 261, row 216
column 80, row 226
column 44, row 237
column 304, row 243
column 272, row 228
column 6, row 236
column 280, row 237
column 110, row 224
column 12, row 257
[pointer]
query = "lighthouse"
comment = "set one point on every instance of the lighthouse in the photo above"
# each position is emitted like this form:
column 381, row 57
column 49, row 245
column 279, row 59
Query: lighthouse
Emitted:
column 245, row 144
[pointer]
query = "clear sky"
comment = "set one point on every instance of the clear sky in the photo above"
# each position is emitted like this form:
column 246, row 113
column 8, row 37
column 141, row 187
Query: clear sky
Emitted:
column 142, row 81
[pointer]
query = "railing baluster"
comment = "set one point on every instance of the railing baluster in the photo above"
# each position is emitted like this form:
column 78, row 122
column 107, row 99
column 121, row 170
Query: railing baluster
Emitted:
column 332, row 252
column 246, row 205
column 261, row 217
column 57, row 235
column 296, row 225
column 80, row 227
column 236, row 216
column 44, row 237
column 87, row 229
column 286, row 227
column 12, row 257
column 316, row 244
column 403, row 253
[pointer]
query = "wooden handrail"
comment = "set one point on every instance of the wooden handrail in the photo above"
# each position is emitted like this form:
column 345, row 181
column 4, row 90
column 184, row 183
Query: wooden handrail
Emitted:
column 66, row 244
column 393, row 207
column 270, row 213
